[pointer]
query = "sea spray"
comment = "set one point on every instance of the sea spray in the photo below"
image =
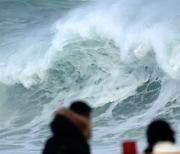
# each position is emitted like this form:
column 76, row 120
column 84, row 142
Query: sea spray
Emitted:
column 120, row 57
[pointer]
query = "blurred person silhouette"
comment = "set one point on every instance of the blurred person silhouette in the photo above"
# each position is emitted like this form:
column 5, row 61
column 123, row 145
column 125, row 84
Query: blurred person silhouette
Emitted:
column 160, row 138
column 71, row 130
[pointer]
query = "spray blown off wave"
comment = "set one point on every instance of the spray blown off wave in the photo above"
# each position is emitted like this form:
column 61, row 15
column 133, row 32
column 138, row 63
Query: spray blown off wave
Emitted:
column 120, row 57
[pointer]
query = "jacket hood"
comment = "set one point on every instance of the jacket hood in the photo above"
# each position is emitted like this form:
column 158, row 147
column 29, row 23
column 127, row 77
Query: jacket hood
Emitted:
column 63, row 127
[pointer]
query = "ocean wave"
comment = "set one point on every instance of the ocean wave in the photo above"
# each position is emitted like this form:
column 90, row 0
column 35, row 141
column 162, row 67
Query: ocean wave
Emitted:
column 120, row 57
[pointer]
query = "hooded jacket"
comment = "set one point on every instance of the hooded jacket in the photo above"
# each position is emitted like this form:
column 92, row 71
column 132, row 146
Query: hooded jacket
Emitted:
column 67, row 138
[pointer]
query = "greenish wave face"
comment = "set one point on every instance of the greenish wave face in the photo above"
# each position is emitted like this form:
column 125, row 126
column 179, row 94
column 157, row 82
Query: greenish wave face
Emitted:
column 122, row 60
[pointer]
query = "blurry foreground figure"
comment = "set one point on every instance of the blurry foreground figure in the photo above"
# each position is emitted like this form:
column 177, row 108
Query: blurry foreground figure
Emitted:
column 71, row 130
column 129, row 147
column 161, row 138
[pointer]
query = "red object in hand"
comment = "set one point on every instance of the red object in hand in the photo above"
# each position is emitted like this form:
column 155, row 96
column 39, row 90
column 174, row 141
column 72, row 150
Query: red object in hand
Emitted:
column 129, row 147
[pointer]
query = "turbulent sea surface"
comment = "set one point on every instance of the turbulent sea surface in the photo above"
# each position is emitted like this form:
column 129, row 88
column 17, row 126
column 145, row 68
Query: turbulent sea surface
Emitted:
column 121, row 56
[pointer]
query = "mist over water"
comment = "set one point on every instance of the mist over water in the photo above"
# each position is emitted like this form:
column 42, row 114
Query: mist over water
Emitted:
column 121, row 57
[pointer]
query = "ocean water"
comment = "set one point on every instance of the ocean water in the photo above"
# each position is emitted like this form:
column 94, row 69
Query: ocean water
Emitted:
column 120, row 56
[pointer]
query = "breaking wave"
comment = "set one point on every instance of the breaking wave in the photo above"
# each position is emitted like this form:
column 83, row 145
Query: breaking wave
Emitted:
column 122, row 58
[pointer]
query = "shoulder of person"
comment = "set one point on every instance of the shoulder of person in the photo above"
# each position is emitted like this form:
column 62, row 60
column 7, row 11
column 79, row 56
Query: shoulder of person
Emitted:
column 165, row 147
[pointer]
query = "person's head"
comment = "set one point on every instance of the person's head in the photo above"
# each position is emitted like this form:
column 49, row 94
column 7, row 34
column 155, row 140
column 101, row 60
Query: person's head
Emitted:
column 81, row 108
column 159, row 130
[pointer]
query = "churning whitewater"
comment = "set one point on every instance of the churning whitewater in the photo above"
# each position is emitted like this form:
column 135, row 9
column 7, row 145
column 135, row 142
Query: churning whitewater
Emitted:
column 120, row 56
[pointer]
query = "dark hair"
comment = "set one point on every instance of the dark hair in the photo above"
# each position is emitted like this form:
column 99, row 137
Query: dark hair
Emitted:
column 158, row 130
column 80, row 107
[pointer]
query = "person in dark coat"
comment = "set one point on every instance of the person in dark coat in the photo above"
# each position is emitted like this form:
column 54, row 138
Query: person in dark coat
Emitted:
column 71, row 130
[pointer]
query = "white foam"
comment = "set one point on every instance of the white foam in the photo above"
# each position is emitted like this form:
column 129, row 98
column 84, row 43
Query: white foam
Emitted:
column 137, row 28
